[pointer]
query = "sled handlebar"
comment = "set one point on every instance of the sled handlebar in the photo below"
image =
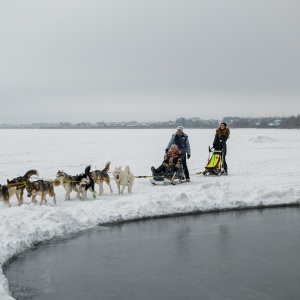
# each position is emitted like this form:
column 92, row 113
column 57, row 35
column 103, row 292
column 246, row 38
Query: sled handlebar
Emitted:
column 212, row 149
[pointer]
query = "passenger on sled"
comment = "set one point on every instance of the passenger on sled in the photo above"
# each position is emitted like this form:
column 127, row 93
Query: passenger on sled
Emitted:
column 171, row 167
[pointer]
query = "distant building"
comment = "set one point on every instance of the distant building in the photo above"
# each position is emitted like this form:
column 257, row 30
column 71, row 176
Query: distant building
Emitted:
column 275, row 123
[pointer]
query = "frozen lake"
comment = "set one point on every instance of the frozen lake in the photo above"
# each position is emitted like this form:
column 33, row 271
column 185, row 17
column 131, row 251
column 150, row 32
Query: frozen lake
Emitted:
column 249, row 254
column 263, row 172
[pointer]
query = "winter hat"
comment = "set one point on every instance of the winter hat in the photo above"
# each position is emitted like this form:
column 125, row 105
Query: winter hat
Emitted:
column 224, row 124
column 180, row 127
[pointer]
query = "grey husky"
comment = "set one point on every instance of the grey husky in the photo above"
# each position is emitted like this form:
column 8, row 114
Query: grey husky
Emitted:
column 41, row 188
column 69, row 183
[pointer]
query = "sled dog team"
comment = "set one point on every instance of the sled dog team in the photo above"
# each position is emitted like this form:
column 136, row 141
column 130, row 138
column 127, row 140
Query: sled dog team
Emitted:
column 84, row 182
column 79, row 184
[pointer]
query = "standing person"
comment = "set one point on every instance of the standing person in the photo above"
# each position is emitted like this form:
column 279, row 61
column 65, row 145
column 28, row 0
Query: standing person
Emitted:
column 222, row 134
column 181, row 140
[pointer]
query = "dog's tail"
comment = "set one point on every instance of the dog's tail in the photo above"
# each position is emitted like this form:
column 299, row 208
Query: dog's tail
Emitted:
column 106, row 169
column 29, row 173
column 127, row 169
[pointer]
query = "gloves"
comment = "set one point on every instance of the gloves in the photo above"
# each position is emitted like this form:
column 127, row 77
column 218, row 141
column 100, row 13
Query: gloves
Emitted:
column 188, row 156
column 167, row 150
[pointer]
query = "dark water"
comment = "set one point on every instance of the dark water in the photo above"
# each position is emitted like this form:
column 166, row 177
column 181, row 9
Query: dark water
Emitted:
column 252, row 254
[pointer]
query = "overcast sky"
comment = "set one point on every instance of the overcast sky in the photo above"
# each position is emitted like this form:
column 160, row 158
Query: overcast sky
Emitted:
column 148, row 60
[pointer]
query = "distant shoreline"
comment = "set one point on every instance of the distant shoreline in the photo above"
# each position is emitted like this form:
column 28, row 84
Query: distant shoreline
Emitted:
column 132, row 128
column 292, row 122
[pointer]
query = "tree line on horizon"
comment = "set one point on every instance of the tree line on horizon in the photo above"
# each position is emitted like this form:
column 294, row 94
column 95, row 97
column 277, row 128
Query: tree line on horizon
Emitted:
column 243, row 122
column 232, row 122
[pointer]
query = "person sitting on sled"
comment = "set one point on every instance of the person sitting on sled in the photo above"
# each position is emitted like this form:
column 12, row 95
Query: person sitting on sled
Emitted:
column 222, row 134
column 171, row 163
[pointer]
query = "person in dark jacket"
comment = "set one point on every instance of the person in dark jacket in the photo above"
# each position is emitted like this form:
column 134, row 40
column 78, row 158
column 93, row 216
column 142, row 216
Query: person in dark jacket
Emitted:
column 222, row 134
column 181, row 140
column 171, row 163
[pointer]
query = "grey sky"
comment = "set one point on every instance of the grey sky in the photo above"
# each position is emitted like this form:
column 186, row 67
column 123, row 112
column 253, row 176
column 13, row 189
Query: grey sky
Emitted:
column 122, row 60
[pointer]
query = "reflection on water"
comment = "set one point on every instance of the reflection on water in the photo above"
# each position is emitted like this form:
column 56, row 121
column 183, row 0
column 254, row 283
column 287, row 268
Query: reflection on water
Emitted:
column 210, row 256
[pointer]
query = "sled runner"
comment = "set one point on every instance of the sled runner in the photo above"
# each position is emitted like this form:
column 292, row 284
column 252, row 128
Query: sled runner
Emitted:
column 161, row 180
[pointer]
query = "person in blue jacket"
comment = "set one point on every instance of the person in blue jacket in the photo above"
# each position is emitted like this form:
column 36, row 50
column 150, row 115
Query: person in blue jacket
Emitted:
column 181, row 140
column 222, row 134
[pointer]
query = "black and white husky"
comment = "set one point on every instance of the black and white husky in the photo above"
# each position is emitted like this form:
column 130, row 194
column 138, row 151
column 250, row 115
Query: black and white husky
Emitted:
column 86, row 182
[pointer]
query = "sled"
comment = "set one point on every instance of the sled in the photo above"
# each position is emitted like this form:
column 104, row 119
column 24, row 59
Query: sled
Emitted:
column 166, row 181
column 215, row 163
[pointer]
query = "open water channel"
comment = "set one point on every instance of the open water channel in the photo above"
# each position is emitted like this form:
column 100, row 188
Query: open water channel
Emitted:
column 247, row 254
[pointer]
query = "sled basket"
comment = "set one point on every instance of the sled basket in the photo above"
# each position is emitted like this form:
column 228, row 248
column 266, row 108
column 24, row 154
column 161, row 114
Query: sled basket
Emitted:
column 214, row 162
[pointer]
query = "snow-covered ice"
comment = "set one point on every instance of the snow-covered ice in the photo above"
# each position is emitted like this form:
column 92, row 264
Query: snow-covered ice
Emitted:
column 263, row 166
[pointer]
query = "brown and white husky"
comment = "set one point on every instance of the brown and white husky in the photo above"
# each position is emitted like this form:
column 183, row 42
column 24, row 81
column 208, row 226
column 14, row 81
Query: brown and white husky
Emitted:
column 102, row 176
column 17, row 185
